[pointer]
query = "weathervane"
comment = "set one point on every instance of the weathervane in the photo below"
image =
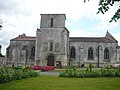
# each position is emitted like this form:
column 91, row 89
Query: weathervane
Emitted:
column 1, row 22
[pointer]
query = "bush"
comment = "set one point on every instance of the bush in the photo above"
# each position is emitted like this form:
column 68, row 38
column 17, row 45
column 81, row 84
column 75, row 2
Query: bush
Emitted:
column 42, row 68
column 47, row 68
column 108, row 67
column 69, row 72
column 90, row 66
column 89, row 73
column 37, row 67
column 9, row 74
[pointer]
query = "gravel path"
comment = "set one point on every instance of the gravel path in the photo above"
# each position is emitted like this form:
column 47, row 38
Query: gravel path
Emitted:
column 49, row 73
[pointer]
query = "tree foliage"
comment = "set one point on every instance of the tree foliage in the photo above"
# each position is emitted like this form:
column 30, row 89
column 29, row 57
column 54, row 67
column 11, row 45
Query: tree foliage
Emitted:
column 104, row 6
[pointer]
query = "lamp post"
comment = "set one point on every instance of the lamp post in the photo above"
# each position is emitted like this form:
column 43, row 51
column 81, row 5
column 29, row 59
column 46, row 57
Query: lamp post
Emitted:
column 98, row 56
column 1, row 22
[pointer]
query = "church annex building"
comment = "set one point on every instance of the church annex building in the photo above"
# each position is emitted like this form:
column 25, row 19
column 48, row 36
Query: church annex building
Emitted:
column 52, row 46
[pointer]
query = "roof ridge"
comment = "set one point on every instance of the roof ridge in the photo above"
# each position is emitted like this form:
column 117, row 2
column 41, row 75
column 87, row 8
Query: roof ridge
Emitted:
column 86, row 37
column 24, row 37
column 110, row 37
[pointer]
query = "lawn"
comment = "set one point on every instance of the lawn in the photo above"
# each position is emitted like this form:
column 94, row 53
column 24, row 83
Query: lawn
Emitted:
column 59, row 83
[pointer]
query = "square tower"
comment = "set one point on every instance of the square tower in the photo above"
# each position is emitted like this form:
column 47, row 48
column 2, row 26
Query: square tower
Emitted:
column 52, row 41
column 52, row 20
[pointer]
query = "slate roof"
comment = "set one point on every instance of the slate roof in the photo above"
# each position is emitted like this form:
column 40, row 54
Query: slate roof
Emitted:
column 23, row 37
column 107, row 39
column 91, row 39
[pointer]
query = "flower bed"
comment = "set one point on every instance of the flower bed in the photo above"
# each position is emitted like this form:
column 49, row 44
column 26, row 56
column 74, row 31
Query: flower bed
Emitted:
column 72, row 72
column 35, row 67
column 15, row 73
column 42, row 68
column 47, row 68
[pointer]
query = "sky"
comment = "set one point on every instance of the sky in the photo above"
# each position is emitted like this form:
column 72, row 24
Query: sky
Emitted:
column 23, row 16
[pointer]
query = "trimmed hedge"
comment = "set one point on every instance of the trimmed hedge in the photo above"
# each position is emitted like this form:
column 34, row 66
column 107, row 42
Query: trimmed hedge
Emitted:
column 15, row 73
column 72, row 72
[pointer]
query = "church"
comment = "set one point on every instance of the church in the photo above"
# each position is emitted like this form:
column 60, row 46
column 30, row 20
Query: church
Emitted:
column 52, row 46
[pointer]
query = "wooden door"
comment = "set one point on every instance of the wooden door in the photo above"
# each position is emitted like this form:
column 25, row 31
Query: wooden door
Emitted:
column 50, row 61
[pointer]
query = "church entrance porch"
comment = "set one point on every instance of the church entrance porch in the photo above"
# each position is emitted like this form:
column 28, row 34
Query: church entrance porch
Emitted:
column 50, row 60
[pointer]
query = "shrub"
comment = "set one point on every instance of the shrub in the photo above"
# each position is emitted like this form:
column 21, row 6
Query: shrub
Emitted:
column 37, row 67
column 47, row 68
column 9, row 74
column 69, row 72
column 88, row 73
column 119, row 68
column 17, row 67
column 42, row 68
column 108, row 67
column 90, row 66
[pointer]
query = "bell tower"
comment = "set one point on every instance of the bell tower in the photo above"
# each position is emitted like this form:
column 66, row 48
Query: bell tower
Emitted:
column 52, row 20
column 52, row 40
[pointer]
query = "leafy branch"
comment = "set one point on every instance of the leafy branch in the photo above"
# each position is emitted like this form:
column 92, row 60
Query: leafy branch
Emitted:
column 104, row 6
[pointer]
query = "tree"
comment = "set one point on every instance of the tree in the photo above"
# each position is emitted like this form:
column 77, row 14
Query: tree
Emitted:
column 1, row 23
column 104, row 6
column 0, row 52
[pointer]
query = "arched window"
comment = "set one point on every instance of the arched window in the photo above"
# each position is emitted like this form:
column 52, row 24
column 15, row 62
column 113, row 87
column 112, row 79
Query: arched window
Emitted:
column 51, row 46
column 26, row 49
column 106, row 53
column 90, row 53
column 72, row 52
column 33, row 51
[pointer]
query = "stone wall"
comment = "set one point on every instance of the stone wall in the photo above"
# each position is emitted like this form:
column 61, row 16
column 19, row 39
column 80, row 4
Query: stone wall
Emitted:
column 82, row 53
column 2, row 61
column 20, row 52
column 118, row 54
column 53, row 43
column 52, row 40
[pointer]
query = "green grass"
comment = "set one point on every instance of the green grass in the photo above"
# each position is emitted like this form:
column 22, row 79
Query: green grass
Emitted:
column 59, row 83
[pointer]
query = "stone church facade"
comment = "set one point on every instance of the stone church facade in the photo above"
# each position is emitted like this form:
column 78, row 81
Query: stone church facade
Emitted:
column 52, row 46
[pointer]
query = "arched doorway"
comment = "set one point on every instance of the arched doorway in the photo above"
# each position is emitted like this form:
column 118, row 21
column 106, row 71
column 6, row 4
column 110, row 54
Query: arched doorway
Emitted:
column 50, row 60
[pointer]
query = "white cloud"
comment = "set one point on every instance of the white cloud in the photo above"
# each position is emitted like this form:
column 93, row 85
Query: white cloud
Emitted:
column 83, row 33
column 104, row 20
column 103, row 25
column 23, row 16
column 117, row 37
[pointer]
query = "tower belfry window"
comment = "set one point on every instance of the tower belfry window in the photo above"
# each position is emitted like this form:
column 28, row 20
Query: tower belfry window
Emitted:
column 51, row 22
column 51, row 46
